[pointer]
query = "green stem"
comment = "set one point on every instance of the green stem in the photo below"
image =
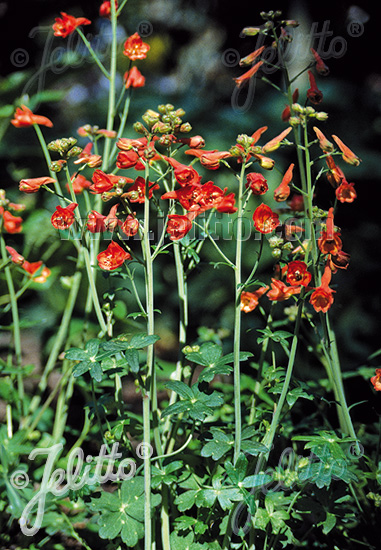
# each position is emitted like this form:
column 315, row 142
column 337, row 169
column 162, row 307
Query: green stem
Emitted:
column 237, row 320
column 48, row 160
column 92, row 53
column 111, row 96
column 59, row 339
column 94, row 293
column 16, row 332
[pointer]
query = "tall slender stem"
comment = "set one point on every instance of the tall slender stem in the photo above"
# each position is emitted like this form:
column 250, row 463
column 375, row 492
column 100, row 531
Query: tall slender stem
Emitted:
column 237, row 320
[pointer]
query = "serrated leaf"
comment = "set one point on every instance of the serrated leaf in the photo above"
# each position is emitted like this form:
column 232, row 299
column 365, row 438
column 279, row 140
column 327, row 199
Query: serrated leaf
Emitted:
column 220, row 444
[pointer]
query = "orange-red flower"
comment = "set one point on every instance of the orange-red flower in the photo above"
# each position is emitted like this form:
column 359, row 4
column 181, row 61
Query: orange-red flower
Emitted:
column 274, row 143
column 249, row 59
column 249, row 74
column 376, row 380
column 322, row 297
column 105, row 9
column 209, row 159
column 16, row 258
column 324, row 144
column 348, row 155
column 134, row 78
column 86, row 157
column 185, row 175
column 97, row 223
column 67, row 24
column 24, row 117
column 297, row 273
column 33, row 267
column 226, row 204
column 250, row 300
column 313, row 93
column 105, row 182
column 265, row 220
column 257, row 183
column 329, row 241
column 79, row 183
column 280, row 292
column 282, row 192
column 137, row 191
column 113, row 257
column 265, row 162
column 320, row 66
column 335, row 175
column 11, row 223
column 195, row 142
column 286, row 113
column 198, row 198
column 178, row 226
column 63, row 218
column 32, row 185
column 130, row 226
column 346, row 192
column 135, row 48
column 338, row 261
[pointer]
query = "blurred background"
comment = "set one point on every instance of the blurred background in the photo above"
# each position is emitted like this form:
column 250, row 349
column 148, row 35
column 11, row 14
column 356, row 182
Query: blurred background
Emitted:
column 195, row 48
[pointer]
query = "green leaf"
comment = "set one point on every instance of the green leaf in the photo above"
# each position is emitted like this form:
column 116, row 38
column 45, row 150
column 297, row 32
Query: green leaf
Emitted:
column 197, row 404
column 329, row 523
column 76, row 354
column 220, row 444
column 96, row 371
column 186, row 500
column 132, row 359
column 208, row 354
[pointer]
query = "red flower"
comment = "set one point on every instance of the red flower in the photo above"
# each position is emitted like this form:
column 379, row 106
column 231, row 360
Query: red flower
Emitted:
column 15, row 256
column 11, row 223
column 135, row 48
column 376, row 380
column 95, row 222
column 329, row 241
column 185, row 175
column 209, row 159
column 265, row 220
column 113, row 257
column 320, row 66
column 178, row 226
column 286, row 113
column 134, row 78
column 250, row 300
column 195, row 142
column 282, row 192
column 335, row 175
column 346, row 192
column 324, row 144
column 274, row 143
column 79, row 183
column 249, row 74
column 265, row 162
column 313, row 93
column 129, row 159
column 24, row 117
column 249, row 59
column 322, row 297
column 297, row 274
column 130, row 226
column 348, row 155
column 33, row 185
column 198, row 198
column 33, row 267
column 63, row 218
column 67, row 24
column 338, row 261
column 105, row 182
column 257, row 183
column 280, row 292
column 105, row 9
column 137, row 192
column 86, row 157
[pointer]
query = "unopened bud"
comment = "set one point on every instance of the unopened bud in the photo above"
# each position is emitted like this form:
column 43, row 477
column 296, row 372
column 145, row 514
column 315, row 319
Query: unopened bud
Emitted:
column 185, row 128
column 161, row 128
column 275, row 242
column 250, row 31
column 276, row 253
column 139, row 128
column 321, row 116
column 294, row 121
column 74, row 151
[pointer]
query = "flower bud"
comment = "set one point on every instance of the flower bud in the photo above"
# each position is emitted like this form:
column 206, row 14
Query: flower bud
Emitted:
column 139, row 128
column 57, row 165
column 74, row 151
column 321, row 116
column 276, row 253
column 185, row 128
column 294, row 121
column 275, row 242
column 250, row 31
